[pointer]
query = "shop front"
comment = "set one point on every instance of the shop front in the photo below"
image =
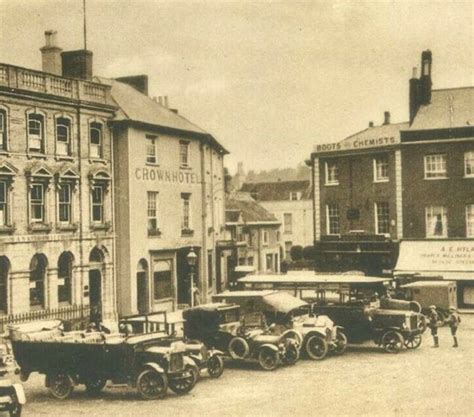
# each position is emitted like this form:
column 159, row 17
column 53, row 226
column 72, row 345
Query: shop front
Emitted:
column 451, row 260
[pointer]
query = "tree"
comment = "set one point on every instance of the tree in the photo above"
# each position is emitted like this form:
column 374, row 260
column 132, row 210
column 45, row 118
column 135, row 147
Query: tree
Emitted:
column 308, row 253
column 296, row 253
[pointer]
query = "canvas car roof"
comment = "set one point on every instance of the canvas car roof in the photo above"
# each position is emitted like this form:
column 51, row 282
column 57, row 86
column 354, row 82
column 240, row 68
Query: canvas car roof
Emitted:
column 419, row 284
column 311, row 278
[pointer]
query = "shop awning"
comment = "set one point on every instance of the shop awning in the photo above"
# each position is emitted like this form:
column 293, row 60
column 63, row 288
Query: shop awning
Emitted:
column 451, row 259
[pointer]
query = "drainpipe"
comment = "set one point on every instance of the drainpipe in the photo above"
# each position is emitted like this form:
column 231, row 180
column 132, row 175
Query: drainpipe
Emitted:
column 81, row 205
column 204, row 223
column 112, row 221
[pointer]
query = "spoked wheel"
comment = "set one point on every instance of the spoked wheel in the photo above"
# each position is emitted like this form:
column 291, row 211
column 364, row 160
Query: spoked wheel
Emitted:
column 215, row 366
column 291, row 355
column 392, row 342
column 268, row 359
column 95, row 385
column 61, row 385
column 151, row 384
column 15, row 409
column 316, row 347
column 341, row 343
column 185, row 383
column 413, row 342
column 293, row 334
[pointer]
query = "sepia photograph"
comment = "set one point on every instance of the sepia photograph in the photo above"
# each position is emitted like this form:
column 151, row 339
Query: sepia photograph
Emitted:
column 236, row 208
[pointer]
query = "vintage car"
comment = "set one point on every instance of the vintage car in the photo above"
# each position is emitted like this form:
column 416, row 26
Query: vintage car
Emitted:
column 283, row 312
column 12, row 395
column 93, row 358
column 169, row 326
column 241, row 337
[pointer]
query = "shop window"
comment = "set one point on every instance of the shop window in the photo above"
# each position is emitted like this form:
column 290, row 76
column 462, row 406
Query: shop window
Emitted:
column 186, row 225
column 4, row 271
column 435, row 166
column 332, row 173
column 38, row 266
column 382, row 218
column 162, row 280
column 469, row 164
column 63, row 136
column 37, row 203
column 436, row 222
column 152, row 211
column 65, row 203
column 381, row 168
column 97, row 197
column 95, row 140
column 288, row 223
column 36, row 132
column 3, row 130
column 332, row 219
column 184, row 153
column 151, row 150
column 470, row 220
column 65, row 263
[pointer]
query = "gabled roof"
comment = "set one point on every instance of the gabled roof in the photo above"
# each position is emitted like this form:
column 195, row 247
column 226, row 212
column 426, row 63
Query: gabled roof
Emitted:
column 232, row 216
column 278, row 191
column 249, row 209
column 451, row 107
column 135, row 106
column 374, row 136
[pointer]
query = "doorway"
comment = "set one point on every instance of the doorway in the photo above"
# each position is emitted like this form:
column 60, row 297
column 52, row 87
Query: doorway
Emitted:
column 95, row 294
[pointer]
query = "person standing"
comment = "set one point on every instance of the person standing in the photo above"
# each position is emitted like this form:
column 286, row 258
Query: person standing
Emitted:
column 433, row 324
column 453, row 321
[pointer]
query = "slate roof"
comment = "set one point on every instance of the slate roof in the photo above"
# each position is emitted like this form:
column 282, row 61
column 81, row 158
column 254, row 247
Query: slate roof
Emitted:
column 451, row 107
column 251, row 211
column 278, row 191
column 375, row 132
column 138, row 107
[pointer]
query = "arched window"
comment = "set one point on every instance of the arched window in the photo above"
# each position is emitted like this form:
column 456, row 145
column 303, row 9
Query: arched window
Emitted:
column 37, row 277
column 96, row 255
column 63, row 136
column 36, row 132
column 4, row 271
column 65, row 263
column 95, row 138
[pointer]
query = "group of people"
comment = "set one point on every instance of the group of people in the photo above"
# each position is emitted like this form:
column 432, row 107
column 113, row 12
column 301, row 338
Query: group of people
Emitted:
column 453, row 322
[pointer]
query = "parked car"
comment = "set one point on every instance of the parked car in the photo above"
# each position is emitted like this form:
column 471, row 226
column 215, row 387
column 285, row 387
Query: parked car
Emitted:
column 168, row 329
column 241, row 337
column 283, row 311
column 12, row 396
column 92, row 358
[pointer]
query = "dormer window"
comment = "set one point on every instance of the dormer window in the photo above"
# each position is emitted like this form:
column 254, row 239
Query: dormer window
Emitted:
column 95, row 136
column 36, row 132
column 63, row 136
column 295, row 195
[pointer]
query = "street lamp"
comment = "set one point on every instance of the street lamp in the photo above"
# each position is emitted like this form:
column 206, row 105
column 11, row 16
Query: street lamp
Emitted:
column 191, row 258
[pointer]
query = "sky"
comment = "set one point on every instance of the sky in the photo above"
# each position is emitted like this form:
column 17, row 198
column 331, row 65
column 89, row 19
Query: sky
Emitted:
column 268, row 79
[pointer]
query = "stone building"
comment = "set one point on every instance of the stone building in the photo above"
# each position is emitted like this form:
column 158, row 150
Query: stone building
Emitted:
column 56, row 191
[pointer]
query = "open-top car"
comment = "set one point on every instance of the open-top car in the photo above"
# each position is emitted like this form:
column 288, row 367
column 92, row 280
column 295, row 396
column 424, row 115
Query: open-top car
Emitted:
column 170, row 326
column 283, row 312
column 12, row 395
column 93, row 358
column 240, row 337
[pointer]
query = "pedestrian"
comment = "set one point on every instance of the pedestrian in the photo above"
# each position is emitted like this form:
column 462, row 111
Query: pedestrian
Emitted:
column 453, row 321
column 433, row 324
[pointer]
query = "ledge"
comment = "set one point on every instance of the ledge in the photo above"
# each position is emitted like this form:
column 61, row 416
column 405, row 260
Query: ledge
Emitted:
column 70, row 227
column 40, row 227
column 187, row 232
column 7, row 229
column 101, row 226
column 154, row 232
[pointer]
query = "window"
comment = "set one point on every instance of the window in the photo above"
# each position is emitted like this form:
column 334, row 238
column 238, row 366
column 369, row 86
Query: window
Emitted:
column 381, row 168
column 470, row 220
column 95, row 137
column 38, row 266
column 250, row 260
column 288, row 223
column 436, row 221
column 469, row 164
column 184, row 154
column 265, row 237
column 3, row 203
column 186, row 207
column 332, row 173
column 162, row 279
column 97, row 204
column 332, row 219
column 435, row 166
column 37, row 205
column 152, row 210
column 4, row 269
column 64, row 203
column 151, row 151
column 35, row 132
column 288, row 246
column 269, row 259
column 64, row 278
column 210, row 269
column 63, row 136
column 295, row 195
column 3, row 130
column 382, row 218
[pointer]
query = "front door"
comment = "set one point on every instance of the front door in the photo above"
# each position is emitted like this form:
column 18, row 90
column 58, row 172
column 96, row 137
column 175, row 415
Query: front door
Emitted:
column 142, row 292
column 95, row 294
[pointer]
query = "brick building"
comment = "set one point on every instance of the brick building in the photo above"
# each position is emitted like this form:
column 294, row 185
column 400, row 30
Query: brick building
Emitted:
column 392, row 182
column 56, row 232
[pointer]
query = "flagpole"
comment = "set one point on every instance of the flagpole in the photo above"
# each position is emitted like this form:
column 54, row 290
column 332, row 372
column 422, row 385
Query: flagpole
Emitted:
column 85, row 27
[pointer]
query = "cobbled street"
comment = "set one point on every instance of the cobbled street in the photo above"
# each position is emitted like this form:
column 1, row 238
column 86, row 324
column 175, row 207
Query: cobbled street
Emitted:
column 365, row 381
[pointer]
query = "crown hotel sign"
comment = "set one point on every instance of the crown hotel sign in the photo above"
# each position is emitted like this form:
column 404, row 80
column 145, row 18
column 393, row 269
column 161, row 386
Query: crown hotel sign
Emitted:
column 166, row 175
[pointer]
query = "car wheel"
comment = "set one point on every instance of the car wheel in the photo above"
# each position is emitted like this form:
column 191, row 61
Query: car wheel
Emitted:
column 316, row 347
column 15, row 410
column 238, row 348
column 293, row 334
column 151, row 384
column 95, row 385
column 341, row 343
column 268, row 359
column 215, row 366
column 413, row 342
column 392, row 342
column 291, row 355
column 185, row 383
column 61, row 385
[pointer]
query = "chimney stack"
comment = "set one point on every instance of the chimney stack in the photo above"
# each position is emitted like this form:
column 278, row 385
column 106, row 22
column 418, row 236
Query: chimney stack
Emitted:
column 77, row 64
column 386, row 118
column 51, row 54
column 138, row 82
column 425, row 78
column 371, row 124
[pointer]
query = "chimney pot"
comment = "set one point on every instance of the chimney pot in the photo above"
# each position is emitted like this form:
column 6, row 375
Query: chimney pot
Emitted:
column 386, row 118
column 371, row 124
column 414, row 72
column 51, row 54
